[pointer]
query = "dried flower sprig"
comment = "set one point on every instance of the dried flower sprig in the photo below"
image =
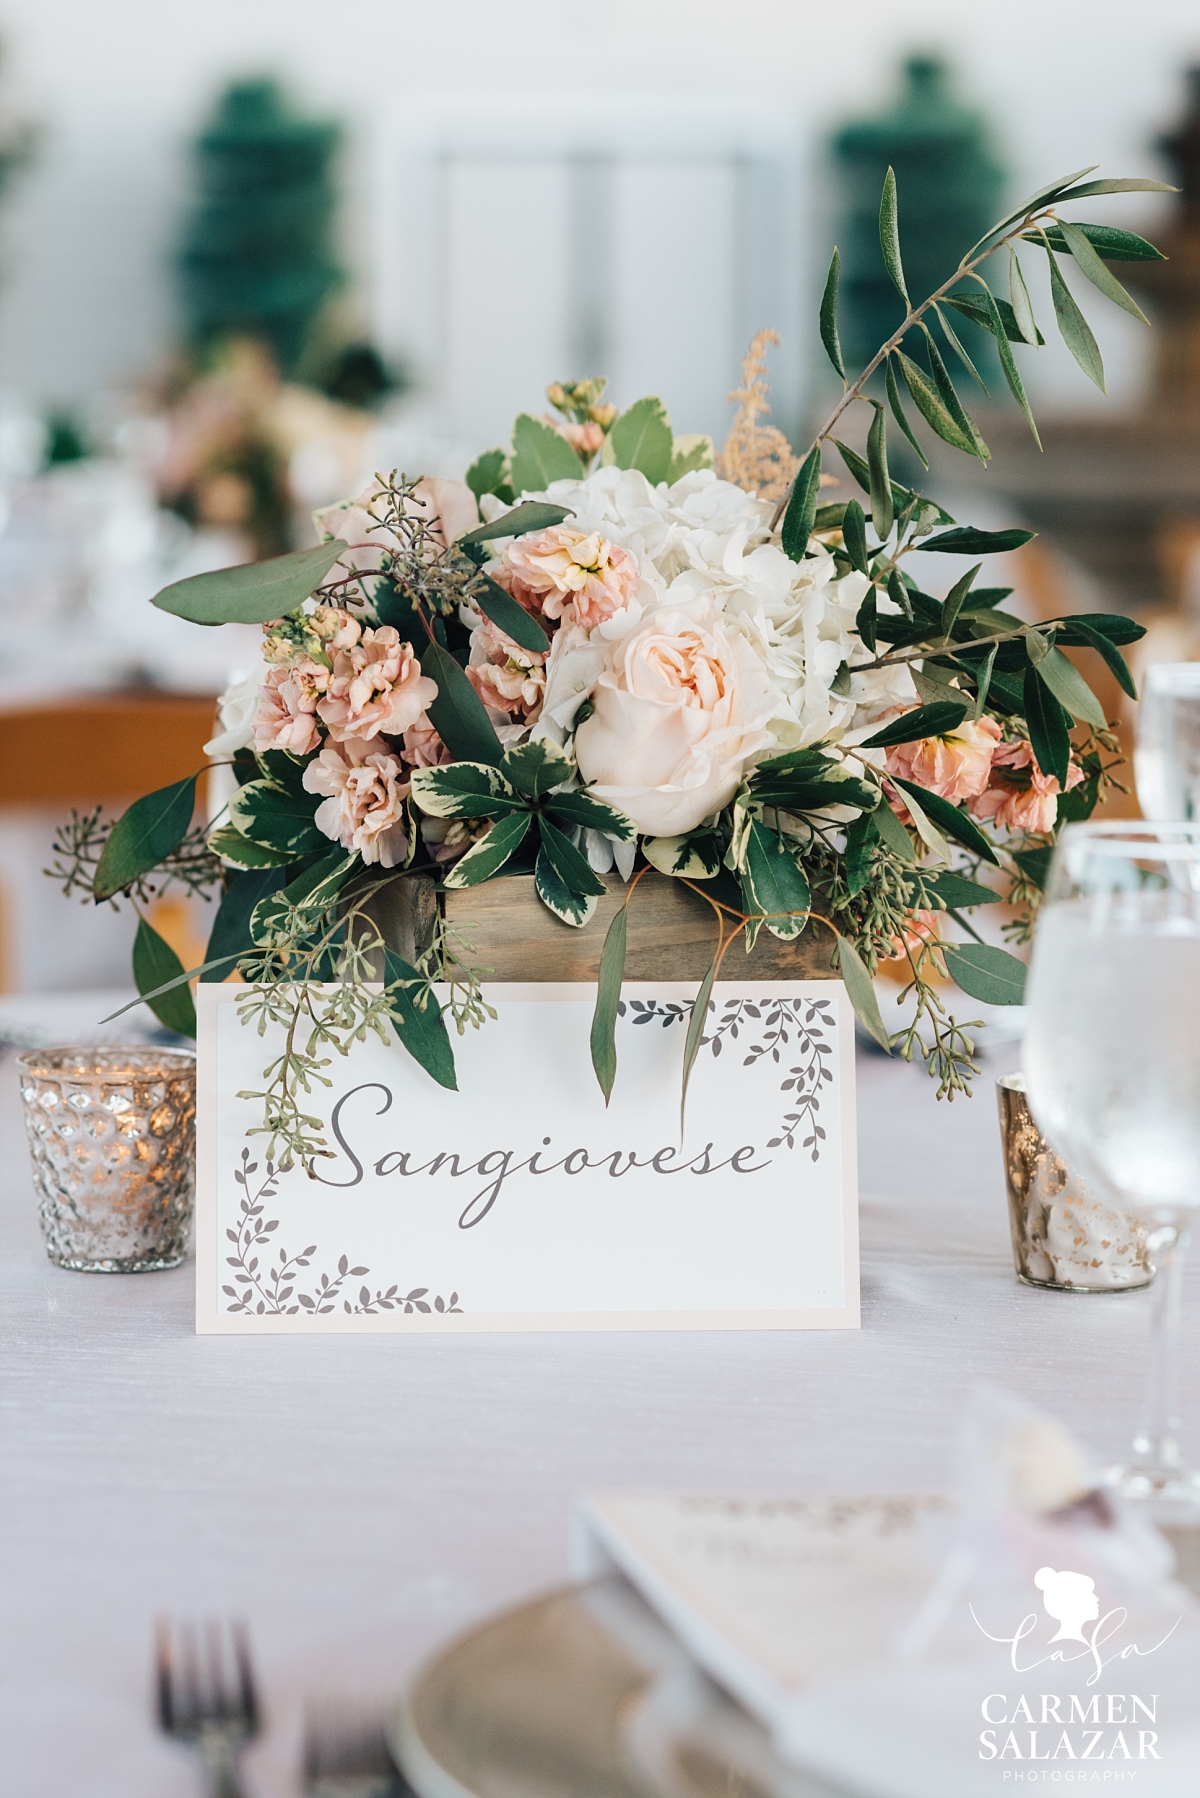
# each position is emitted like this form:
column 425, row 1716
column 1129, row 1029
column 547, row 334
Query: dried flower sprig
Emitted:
column 756, row 456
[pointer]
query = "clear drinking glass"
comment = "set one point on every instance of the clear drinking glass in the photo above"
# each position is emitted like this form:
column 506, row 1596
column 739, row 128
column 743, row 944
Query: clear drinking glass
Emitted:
column 1112, row 1063
column 112, row 1138
column 1166, row 759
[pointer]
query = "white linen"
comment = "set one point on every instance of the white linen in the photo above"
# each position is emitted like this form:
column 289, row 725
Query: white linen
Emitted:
column 361, row 1499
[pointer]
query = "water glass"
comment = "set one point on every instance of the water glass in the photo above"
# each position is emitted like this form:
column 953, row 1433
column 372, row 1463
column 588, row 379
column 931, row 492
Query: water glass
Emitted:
column 1166, row 757
column 1112, row 1063
column 112, row 1137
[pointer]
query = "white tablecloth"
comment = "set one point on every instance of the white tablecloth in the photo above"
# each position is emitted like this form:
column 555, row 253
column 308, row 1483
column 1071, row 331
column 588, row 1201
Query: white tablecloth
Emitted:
column 361, row 1499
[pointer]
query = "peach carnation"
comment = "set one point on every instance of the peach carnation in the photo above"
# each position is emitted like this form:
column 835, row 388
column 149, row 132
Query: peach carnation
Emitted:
column 365, row 791
column 550, row 570
column 287, row 705
column 955, row 766
column 376, row 685
column 1020, row 796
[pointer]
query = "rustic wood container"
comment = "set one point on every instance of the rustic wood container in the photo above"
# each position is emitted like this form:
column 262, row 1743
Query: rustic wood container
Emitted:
column 672, row 933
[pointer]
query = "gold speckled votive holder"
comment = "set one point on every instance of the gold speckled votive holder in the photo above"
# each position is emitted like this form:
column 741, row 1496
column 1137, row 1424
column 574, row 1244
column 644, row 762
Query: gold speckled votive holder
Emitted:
column 1064, row 1238
column 112, row 1137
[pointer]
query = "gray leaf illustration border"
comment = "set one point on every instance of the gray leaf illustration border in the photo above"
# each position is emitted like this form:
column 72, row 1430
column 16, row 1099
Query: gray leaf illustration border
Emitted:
column 784, row 1030
column 268, row 1286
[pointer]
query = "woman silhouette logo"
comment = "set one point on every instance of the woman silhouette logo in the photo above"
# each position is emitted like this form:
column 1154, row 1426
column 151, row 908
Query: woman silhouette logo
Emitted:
column 1070, row 1598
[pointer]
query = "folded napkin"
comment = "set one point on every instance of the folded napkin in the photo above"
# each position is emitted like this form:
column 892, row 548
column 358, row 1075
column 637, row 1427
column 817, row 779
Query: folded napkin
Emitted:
column 1026, row 1627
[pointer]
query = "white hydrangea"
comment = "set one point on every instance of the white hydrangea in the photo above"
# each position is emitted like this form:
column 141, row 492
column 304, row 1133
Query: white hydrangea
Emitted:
column 704, row 538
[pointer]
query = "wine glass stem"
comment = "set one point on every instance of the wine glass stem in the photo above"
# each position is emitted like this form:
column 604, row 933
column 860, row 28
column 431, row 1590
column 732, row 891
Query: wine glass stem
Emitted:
column 1155, row 1445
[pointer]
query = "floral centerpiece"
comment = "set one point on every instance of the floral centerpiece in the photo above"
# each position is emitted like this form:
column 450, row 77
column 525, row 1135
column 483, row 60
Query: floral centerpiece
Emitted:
column 609, row 654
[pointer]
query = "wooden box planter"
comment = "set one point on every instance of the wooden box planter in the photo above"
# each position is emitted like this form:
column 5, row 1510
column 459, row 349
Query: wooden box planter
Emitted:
column 672, row 933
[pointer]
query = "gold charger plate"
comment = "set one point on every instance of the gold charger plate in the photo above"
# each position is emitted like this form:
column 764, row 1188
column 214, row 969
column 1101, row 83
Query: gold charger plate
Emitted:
column 582, row 1693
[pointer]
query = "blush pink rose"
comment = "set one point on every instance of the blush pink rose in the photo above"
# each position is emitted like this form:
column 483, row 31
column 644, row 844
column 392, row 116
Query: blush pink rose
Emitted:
column 1028, row 800
column 287, row 704
column 550, row 570
column 376, row 686
column 365, row 789
column 956, row 765
column 680, row 708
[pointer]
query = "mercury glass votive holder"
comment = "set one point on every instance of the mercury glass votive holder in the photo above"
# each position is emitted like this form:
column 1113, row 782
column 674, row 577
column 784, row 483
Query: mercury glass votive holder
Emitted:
column 1064, row 1237
column 112, row 1137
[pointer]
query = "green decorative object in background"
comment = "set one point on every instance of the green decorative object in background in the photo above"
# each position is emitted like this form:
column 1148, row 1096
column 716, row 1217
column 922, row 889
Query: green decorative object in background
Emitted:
column 257, row 254
column 946, row 170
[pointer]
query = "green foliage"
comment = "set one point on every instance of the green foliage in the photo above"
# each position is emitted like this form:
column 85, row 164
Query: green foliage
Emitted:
column 882, row 510
column 801, row 513
column 233, row 847
column 689, row 453
column 967, row 541
column 926, row 721
column 230, row 936
column 829, row 326
column 277, row 818
column 540, row 456
column 986, row 973
column 530, row 515
column 508, row 616
column 641, row 438
column 253, row 593
column 774, row 884
column 491, row 473
column 492, row 851
column 144, row 836
column 1113, row 245
column 458, row 714
column 159, row 977
column 417, row 1019
column 1076, row 333
column 464, row 790
column 861, row 993
column 951, row 819
column 608, row 998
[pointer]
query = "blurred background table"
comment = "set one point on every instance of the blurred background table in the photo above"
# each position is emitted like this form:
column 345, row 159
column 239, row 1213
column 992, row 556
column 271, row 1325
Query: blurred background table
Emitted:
column 362, row 1499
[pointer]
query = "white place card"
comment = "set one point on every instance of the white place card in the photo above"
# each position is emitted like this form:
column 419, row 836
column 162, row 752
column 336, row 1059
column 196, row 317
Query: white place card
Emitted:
column 520, row 1202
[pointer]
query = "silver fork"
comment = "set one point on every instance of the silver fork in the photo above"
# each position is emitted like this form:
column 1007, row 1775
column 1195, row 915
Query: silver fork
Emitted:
column 346, row 1754
column 206, row 1695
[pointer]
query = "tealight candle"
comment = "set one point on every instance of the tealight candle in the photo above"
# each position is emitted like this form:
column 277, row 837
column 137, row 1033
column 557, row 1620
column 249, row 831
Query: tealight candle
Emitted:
column 1063, row 1236
column 112, row 1137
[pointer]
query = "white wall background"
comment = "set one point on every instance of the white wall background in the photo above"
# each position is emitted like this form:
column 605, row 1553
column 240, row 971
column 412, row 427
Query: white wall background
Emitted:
column 119, row 85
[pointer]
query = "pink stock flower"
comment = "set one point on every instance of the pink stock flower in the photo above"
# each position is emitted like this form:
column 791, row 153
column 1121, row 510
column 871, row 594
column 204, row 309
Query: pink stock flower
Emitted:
column 585, row 439
column 955, row 766
column 1020, row 796
column 423, row 748
column 365, row 792
column 376, row 685
column 285, row 718
column 449, row 507
column 550, row 570
column 506, row 677
column 335, row 627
